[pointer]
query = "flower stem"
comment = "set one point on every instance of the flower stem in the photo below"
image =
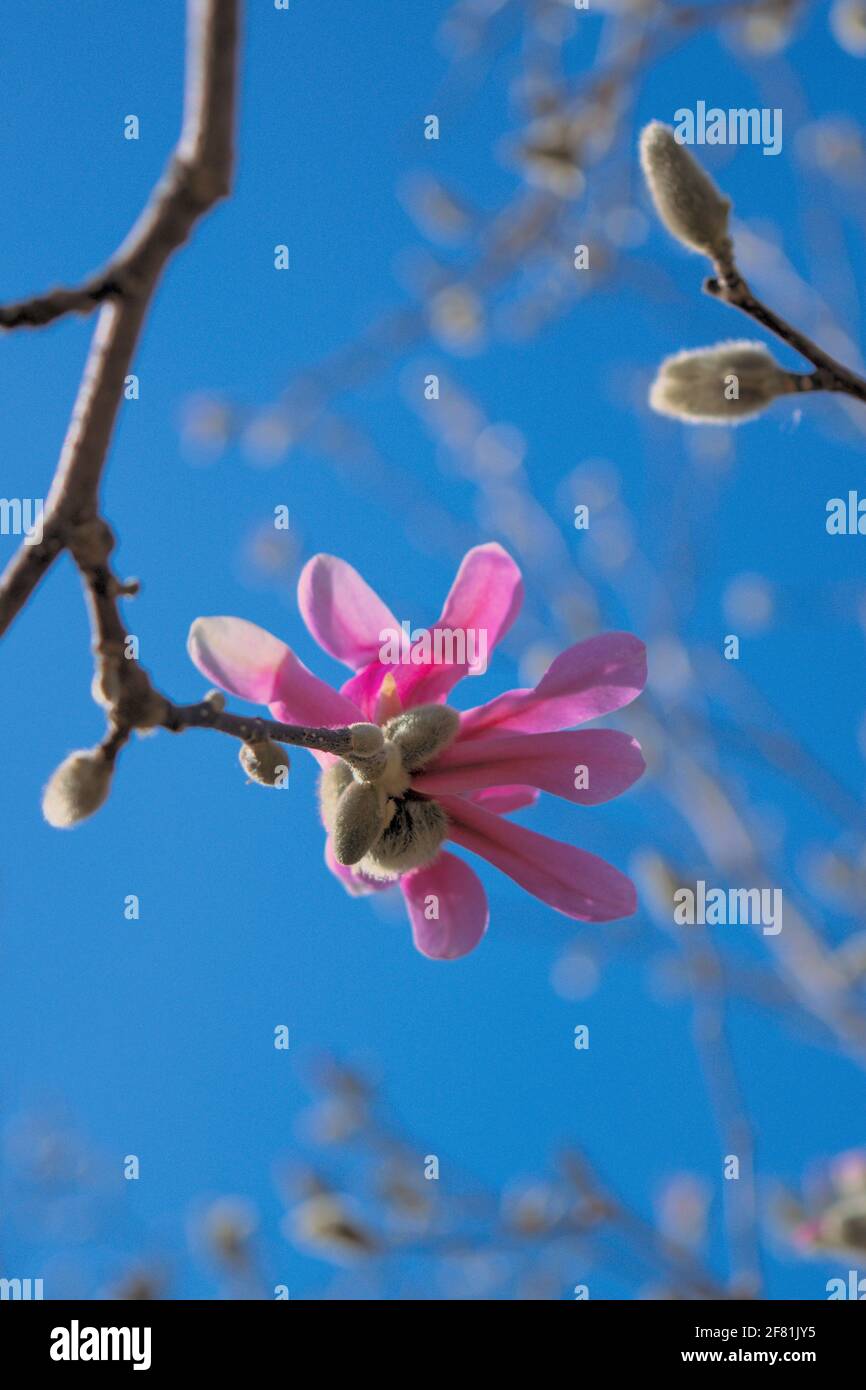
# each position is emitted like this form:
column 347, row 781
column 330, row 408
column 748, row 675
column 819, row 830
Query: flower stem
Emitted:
column 206, row 715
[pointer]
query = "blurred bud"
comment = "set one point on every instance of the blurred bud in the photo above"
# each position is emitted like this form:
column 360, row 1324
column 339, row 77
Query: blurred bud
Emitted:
column 683, row 1207
column 720, row 385
column 848, row 1173
column 531, row 1209
column 768, row 29
column 216, row 699
column 326, row 1223
column 457, row 318
column 265, row 762
column 77, row 788
column 206, row 425
column 841, row 1228
column 227, row 1227
column 550, row 155
column 334, row 1119
column 268, row 436
column 407, row 1197
column 848, row 23
column 749, row 603
column 139, row 1285
column 688, row 202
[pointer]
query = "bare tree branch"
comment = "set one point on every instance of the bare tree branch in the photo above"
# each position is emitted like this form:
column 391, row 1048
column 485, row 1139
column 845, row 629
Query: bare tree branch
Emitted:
column 198, row 175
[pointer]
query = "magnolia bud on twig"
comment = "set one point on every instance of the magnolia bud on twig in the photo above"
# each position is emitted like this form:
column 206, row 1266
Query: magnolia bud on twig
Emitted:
column 77, row 788
column 688, row 202
column 720, row 385
column 265, row 762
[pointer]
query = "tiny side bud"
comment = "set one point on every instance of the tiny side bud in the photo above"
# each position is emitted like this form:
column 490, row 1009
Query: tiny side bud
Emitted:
column 265, row 762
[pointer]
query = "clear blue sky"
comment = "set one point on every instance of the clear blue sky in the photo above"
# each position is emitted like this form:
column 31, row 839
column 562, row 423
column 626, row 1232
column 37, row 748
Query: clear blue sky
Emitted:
column 156, row 1035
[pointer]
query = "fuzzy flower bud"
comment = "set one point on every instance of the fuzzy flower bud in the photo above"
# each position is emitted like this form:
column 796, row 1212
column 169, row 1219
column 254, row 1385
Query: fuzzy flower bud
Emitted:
column 265, row 762
column 687, row 201
column 77, row 788
column 423, row 732
column 367, row 739
column 719, row 385
column 359, row 821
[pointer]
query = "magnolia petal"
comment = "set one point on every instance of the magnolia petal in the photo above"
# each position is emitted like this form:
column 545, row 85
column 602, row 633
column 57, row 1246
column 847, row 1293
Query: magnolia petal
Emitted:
column 573, row 881
column 587, row 680
column 238, row 656
column 501, row 800
column 484, row 600
column 457, row 895
column 482, row 604
column 355, row 883
column 345, row 616
column 607, row 760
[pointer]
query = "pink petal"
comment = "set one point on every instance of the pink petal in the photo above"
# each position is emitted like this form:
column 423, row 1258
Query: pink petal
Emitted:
column 342, row 612
column 461, row 903
column 571, row 880
column 612, row 761
column 238, row 656
column 484, row 600
column 589, row 679
column 501, row 800
column 363, row 689
column 356, row 884
column 248, row 661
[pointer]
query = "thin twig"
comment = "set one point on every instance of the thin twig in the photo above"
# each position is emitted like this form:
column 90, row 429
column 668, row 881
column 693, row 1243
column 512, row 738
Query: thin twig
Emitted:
column 729, row 286
column 198, row 175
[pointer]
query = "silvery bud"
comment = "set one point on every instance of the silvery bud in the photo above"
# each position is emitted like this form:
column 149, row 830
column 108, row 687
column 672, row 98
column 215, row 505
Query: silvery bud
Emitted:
column 265, row 762
column 367, row 739
column 720, row 385
column 358, row 822
column 422, row 732
column 688, row 202
column 77, row 788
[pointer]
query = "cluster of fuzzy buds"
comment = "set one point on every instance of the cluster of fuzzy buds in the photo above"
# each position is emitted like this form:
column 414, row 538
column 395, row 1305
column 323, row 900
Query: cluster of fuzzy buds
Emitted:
column 78, row 787
column 723, row 385
column 377, row 822
column 687, row 201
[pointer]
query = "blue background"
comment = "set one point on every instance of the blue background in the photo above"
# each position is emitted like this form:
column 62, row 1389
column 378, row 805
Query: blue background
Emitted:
column 155, row 1036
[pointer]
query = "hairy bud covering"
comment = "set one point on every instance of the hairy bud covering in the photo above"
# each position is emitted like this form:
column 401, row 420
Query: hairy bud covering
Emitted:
column 720, row 385
column 265, row 761
column 687, row 201
column 77, row 788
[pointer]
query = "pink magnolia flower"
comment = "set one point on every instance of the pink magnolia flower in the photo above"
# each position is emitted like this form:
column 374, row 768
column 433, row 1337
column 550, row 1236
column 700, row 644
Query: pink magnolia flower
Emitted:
column 448, row 775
